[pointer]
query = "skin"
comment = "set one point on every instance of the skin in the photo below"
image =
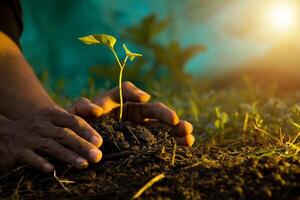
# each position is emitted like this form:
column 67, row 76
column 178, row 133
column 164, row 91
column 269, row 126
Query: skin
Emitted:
column 32, row 124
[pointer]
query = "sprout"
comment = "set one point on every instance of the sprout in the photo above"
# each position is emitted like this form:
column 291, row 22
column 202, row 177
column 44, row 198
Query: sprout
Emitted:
column 110, row 41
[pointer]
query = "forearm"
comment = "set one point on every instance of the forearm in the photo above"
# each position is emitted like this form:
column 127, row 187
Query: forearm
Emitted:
column 20, row 91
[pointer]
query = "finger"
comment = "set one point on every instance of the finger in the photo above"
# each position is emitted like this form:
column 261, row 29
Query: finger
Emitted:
column 183, row 128
column 81, row 127
column 32, row 159
column 130, row 93
column 61, row 153
column 187, row 140
column 71, row 140
column 85, row 108
column 138, row 112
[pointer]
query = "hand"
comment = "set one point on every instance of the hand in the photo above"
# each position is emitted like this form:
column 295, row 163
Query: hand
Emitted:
column 136, row 110
column 54, row 132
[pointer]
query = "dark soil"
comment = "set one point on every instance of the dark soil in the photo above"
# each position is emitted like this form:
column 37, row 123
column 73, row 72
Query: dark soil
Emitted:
column 133, row 155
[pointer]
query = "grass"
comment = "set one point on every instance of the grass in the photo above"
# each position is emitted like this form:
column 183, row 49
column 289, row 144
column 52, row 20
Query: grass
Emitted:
column 264, row 117
column 245, row 115
column 247, row 147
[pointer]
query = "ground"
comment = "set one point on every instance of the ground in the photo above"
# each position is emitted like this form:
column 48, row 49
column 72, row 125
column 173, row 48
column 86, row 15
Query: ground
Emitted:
column 247, row 148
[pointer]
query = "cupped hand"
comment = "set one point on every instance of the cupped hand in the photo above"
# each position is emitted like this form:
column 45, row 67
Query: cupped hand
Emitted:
column 53, row 132
column 137, row 109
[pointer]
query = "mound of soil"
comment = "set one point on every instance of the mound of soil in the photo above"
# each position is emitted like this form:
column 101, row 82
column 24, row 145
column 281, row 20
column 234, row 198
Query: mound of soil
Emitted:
column 134, row 155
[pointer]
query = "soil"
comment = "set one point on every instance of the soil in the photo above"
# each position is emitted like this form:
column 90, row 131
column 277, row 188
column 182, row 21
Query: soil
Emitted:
column 134, row 155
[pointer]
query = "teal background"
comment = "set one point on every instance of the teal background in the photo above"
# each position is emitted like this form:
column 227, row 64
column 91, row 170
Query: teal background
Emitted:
column 52, row 28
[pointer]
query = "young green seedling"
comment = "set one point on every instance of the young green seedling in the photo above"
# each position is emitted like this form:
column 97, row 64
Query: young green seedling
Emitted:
column 222, row 119
column 110, row 41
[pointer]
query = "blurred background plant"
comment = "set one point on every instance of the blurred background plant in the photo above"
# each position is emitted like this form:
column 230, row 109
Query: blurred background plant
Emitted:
column 163, row 62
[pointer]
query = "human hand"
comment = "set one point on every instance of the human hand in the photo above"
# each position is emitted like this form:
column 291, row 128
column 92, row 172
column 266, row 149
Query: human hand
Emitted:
column 54, row 132
column 136, row 110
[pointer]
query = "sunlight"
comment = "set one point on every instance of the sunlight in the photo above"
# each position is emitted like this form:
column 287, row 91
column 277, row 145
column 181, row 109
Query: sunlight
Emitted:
column 282, row 16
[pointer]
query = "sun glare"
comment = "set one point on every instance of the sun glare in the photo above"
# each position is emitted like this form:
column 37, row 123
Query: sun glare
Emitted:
column 282, row 16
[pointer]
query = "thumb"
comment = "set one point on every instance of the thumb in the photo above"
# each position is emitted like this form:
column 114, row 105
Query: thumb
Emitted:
column 130, row 93
column 85, row 108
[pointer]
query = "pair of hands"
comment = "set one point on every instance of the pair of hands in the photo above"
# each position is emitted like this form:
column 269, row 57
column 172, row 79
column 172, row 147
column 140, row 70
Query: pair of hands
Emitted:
column 65, row 135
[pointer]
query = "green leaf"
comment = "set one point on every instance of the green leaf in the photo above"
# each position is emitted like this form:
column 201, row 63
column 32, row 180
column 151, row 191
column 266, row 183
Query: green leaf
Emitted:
column 224, row 117
column 218, row 124
column 130, row 54
column 96, row 39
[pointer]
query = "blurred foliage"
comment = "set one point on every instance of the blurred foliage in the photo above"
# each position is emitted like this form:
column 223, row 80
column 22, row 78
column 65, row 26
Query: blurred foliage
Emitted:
column 161, row 61
column 222, row 119
column 144, row 33
column 263, row 117
column 244, row 115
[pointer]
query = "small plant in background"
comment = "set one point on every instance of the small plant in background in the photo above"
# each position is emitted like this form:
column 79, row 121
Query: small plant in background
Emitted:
column 222, row 118
column 110, row 41
column 160, row 57
column 171, row 56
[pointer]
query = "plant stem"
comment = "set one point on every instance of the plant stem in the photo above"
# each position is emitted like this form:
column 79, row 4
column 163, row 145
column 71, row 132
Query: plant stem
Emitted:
column 120, row 81
column 124, row 62
column 121, row 95
column 117, row 58
column 120, row 88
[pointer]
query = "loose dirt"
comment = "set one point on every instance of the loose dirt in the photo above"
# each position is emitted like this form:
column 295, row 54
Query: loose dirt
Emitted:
column 134, row 155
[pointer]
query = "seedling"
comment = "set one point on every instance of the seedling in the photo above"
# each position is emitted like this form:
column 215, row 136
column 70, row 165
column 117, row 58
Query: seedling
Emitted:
column 222, row 118
column 110, row 41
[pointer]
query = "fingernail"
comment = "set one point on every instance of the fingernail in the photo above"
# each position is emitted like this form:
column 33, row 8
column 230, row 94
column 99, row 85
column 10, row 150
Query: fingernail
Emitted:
column 47, row 167
column 176, row 119
column 97, row 111
column 144, row 96
column 96, row 141
column 142, row 92
column 190, row 140
column 82, row 162
column 95, row 155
